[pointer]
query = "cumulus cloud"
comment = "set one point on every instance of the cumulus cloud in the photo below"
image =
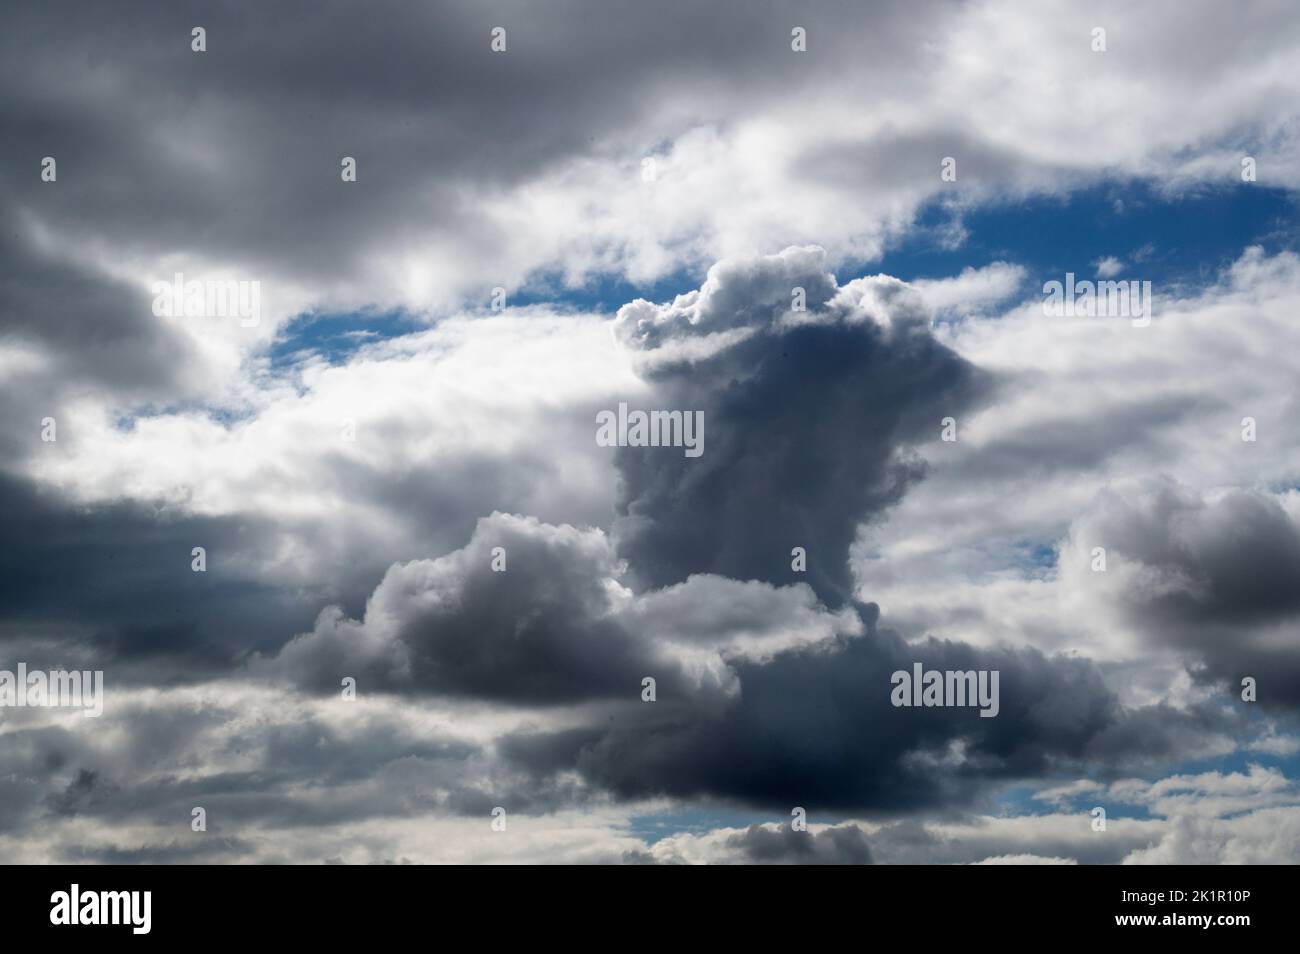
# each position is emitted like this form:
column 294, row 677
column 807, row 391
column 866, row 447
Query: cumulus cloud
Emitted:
column 978, row 840
column 1108, row 266
column 534, row 613
column 1266, row 837
column 1219, row 577
column 541, row 627
column 763, row 844
column 975, row 290
column 809, row 415
column 845, row 746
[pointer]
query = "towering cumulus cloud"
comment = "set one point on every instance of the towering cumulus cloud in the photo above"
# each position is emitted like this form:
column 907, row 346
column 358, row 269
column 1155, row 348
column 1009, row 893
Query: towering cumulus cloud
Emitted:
column 812, row 396
column 772, row 687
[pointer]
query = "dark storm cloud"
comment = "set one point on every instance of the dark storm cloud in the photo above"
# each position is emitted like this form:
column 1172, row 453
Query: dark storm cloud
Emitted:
column 815, row 727
column 111, row 586
column 543, row 630
column 807, row 420
column 1219, row 577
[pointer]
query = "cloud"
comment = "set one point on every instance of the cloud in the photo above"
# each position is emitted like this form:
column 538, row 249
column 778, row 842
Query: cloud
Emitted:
column 112, row 585
column 1067, row 839
column 809, row 417
column 579, row 617
column 1108, row 267
column 1089, row 417
column 1219, row 577
column 844, row 747
column 763, row 844
column 1209, row 793
column 975, row 290
column 1020, row 839
column 474, row 430
column 98, row 532
column 183, row 175
column 1025, row 860
column 543, row 630
column 1266, row 837
column 531, row 613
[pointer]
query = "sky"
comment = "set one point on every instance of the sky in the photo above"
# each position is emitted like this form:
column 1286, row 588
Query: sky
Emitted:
column 366, row 584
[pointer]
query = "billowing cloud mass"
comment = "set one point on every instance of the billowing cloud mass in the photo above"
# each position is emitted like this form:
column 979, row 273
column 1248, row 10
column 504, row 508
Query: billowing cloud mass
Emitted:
column 392, row 482
column 817, row 724
column 1218, row 577
column 812, row 397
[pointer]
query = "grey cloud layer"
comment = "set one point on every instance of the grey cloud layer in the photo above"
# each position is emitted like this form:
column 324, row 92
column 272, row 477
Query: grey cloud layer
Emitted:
column 473, row 163
column 247, row 137
column 111, row 585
